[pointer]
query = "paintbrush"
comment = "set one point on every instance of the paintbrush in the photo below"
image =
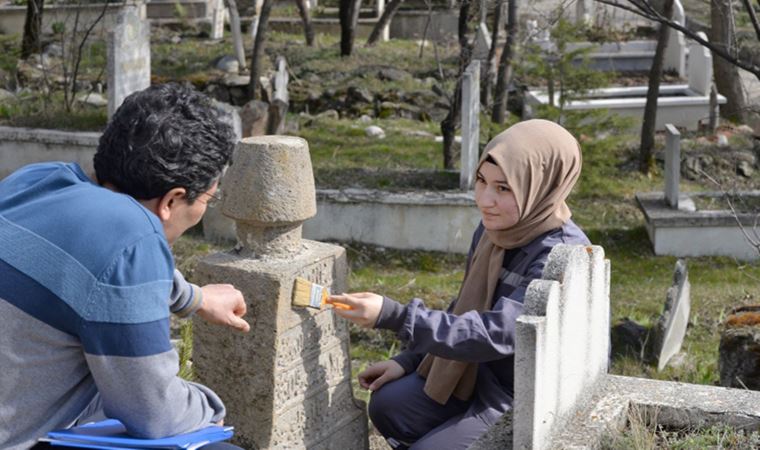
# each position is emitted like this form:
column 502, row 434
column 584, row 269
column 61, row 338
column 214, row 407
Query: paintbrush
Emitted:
column 312, row 295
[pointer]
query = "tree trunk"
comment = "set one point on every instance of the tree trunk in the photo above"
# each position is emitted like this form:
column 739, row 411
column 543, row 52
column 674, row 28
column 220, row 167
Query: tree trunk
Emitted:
column 490, row 72
column 308, row 29
column 646, row 158
column 349, row 16
column 449, row 123
column 727, row 80
column 385, row 19
column 505, row 65
column 30, row 43
column 237, row 35
column 258, row 49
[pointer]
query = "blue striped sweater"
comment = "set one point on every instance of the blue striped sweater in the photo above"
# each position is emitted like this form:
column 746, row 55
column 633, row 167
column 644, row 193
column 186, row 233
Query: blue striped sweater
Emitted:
column 87, row 280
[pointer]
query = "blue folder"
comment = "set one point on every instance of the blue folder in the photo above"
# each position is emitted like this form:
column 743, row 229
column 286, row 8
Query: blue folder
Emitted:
column 111, row 434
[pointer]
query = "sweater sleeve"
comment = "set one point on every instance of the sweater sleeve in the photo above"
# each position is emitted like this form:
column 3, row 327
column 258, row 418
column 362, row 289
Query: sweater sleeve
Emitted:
column 471, row 337
column 129, row 353
column 186, row 298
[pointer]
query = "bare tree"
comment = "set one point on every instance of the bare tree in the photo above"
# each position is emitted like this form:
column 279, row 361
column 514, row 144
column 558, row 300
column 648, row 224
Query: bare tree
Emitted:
column 646, row 160
column 258, row 48
column 384, row 20
column 490, row 72
column 30, row 43
column 237, row 36
column 348, row 10
column 449, row 123
column 727, row 80
column 505, row 65
column 308, row 28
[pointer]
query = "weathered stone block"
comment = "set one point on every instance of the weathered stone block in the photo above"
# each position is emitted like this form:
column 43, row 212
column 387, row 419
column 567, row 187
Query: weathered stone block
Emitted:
column 286, row 384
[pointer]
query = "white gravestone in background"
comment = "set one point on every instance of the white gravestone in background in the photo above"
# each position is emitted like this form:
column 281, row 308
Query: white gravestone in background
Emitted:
column 217, row 20
column 128, row 56
column 700, row 67
column 675, row 49
column 470, row 124
column 672, row 165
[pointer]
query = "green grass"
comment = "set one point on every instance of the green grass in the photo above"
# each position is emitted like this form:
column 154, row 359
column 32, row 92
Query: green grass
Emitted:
column 39, row 111
column 10, row 49
column 343, row 144
column 645, row 433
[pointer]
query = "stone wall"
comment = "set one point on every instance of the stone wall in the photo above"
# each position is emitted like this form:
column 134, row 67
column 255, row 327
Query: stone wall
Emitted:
column 22, row 146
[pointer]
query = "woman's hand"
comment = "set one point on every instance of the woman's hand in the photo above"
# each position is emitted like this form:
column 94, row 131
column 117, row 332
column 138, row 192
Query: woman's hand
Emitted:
column 361, row 308
column 376, row 375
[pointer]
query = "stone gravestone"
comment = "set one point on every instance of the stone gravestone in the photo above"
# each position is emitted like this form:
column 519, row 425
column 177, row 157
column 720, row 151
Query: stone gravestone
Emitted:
column 128, row 56
column 286, row 384
column 700, row 67
column 278, row 107
column 561, row 342
column 217, row 20
column 470, row 125
column 672, row 165
column 670, row 329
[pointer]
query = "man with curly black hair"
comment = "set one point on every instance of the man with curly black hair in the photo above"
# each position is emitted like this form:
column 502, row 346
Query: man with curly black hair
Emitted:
column 87, row 278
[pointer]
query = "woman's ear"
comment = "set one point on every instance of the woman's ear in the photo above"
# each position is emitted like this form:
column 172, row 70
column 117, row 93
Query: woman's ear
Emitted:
column 168, row 203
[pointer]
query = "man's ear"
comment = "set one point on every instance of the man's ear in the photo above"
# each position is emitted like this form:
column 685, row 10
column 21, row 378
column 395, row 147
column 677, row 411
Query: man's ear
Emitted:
column 169, row 201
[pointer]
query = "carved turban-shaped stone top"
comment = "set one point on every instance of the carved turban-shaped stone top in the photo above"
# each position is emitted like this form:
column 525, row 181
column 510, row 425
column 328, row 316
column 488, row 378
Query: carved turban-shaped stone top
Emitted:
column 269, row 192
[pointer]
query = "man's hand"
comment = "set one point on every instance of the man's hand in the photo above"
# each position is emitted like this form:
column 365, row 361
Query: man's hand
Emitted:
column 361, row 308
column 376, row 375
column 223, row 305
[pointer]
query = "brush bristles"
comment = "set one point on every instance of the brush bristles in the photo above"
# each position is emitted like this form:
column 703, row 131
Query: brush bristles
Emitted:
column 306, row 293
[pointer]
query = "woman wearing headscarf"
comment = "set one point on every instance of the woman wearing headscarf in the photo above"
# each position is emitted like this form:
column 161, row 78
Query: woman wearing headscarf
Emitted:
column 455, row 377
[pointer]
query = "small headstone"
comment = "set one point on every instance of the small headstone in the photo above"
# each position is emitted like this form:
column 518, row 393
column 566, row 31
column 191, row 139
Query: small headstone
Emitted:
column 470, row 125
column 672, row 165
column 128, row 56
column 365, row 119
column 700, row 67
column 281, row 81
column 375, row 132
column 217, row 20
column 722, row 140
column 739, row 360
column 669, row 331
column 254, row 117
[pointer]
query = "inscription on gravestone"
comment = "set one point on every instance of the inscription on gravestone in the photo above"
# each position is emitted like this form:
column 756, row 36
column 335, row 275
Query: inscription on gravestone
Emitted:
column 128, row 56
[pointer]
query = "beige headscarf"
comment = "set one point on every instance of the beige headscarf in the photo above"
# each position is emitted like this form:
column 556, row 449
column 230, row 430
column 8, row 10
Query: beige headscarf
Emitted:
column 541, row 162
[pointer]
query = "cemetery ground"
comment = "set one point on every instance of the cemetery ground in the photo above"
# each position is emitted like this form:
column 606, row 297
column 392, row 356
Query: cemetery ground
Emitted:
column 602, row 203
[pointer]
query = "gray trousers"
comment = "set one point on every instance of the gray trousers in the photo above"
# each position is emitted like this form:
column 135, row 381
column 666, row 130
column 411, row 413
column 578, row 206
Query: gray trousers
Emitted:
column 408, row 418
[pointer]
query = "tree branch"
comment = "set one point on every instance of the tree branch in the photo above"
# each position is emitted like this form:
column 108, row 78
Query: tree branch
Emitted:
column 645, row 9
